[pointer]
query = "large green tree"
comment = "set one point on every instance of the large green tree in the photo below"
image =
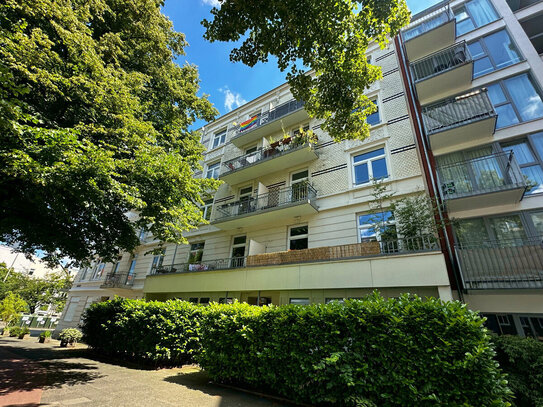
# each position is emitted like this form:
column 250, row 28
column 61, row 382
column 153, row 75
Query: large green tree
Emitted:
column 330, row 37
column 95, row 120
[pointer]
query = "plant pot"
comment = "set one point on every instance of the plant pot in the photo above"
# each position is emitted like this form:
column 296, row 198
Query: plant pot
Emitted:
column 24, row 336
column 66, row 344
column 63, row 344
column 45, row 340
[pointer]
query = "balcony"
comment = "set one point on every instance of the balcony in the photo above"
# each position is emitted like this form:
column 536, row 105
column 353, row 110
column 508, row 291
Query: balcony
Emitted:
column 296, row 200
column 284, row 115
column 280, row 155
column 513, row 264
column 118, row 280
column 443, row 73
column 395, row 263
column 482, row 182
column 461, row 119
column 430, row 33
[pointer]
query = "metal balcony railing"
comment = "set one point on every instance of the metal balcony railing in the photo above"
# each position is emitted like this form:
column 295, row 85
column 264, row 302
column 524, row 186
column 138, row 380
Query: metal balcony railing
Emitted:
column 271, row 115
column 418, row 244
column 491, row 173
column 297, row 193
column 505, row 264
column 439, row 62
column 118, row 280
column 456, row 112
column 275, row 150
column 427, row 23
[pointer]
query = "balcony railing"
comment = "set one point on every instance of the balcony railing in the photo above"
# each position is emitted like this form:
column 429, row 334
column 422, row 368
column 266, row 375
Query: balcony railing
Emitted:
column 419, row 244
column 458, row 111
column 297, row 193
column 118, row 280
column 440, row 62
column 275, row 150
column 264, row 118
column 491, row 173
column 516, row 263
column 427, row 23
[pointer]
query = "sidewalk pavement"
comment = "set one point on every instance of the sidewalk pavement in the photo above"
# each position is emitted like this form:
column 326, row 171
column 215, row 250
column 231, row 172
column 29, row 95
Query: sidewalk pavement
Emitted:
column 32, row 373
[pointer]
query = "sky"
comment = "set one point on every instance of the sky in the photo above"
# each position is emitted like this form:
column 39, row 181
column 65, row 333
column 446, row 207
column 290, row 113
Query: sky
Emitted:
column 229, row 85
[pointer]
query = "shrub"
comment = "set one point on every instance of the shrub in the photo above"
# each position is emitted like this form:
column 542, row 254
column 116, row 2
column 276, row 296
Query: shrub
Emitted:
column 24, row 331
column 14, row 331
column 70, row 335
column 45, row 334
column 165, row 333
column 373, row 352
column 522, row 360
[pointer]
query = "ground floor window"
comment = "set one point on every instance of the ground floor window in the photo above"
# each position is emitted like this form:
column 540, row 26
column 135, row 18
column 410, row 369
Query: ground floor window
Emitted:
column 299, row 301
column 516, row 324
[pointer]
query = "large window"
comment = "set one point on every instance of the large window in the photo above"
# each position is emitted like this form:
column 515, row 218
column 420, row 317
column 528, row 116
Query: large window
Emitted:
column 98, row 270
column 196, row 252
column 132, row 269
column 298, row 237
column 515, row 100
column 369, row 166
column 158, row 260
column 533, row 27
column 379, row 226
column 492, row 52
column 375, row 117
column 528, row 153
column 473, row 14
column 518, row 4
column 213, row 171
column 218, row 139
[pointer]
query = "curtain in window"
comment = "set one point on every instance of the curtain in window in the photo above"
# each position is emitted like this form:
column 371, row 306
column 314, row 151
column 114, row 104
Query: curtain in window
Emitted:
column 481, row 11
column 525, row 97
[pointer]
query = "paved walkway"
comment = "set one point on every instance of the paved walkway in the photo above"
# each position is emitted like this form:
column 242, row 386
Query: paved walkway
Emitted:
column 32, row 373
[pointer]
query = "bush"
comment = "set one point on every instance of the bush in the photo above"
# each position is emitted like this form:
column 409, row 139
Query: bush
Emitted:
column 70, row 335
column 373, row 352
column 45, row 334
column 522, row 360
column 165, row 333
column 24, row 331
column 14, row 331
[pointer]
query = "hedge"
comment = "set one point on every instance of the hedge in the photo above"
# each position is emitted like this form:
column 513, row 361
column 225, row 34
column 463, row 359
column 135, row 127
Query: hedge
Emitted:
column 371, row 352
column 522, row 360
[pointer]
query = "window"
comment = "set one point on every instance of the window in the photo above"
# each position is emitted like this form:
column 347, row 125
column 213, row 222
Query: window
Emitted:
column 245, row 200
column 70, row 310
column 224, row 300
column 338, row 300
column 142, row 235
column 251, row 150
column 193, row 300
column 238, row 251
column 116, row 267
column 533, row 27
column 207, row 209
column 213, row 171
column 204, row 300
column 374, row 118
column 379, row 226
column 219, row 138
column 518, row 4
column 98, row 271
column 537, row 220
column 158, row 259
column 196, row 252
column 299, row 301
column 297, row 237
column 83, row 272
column 369, row 166
column 515, row 100
column 132, row 269
column 492, row 52
column 529, row 159
column 473, row 14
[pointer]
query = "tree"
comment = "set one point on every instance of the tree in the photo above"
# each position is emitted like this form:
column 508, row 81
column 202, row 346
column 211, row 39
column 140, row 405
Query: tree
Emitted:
column 11, row 307
column 95, row 120
column 330, row 37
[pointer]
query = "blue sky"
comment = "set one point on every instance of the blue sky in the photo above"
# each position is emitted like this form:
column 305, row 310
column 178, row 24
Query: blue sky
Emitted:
column 229, row 85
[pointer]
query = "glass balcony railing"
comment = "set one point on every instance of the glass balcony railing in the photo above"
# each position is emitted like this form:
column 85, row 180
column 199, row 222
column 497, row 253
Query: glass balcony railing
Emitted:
column 274, row 199
column 277, row 149
column 118, row 280
column 418, row 244
column 264, row 118
column 427, row 23
column 504, row 264
column 458, row 111
column 482, row 175
column 440, row 62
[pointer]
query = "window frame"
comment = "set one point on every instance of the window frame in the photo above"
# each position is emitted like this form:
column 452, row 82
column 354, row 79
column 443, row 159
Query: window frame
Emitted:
column 297, row 237
column 207, row 208
column 219, row 136
column 359, row 227
column 538, row 158
column 375, row 100
column 299, row 301
column 370, row 168
column 215, row 167
column 475, row 27
column 159, row 262
column 196, row 248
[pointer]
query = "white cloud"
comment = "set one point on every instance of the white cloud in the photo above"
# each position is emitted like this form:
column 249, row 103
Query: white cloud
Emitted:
column 232, row 100
column 212, row 3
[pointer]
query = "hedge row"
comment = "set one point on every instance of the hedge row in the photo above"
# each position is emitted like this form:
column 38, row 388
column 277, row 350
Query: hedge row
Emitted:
column 371, row 352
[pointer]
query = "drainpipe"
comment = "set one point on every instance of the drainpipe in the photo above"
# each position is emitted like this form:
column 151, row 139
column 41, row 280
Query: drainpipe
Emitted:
column 431, row 181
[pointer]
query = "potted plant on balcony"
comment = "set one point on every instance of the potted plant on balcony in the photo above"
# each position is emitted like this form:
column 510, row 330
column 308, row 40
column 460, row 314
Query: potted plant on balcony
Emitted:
column 45, row 337
column 14, row 331
column 69, row 337
column 24, row 333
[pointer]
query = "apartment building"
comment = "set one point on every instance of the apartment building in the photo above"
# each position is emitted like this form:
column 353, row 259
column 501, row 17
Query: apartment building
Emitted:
column 291, row 221
column 474, row 76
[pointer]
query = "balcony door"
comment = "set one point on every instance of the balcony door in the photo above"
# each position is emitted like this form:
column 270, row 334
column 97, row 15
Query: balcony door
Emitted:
column 239, row 245
column 245, row 200
column 298, row 183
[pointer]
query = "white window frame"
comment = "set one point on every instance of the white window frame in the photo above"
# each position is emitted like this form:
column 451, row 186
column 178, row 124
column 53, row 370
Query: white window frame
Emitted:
column 158, row 260
column 359, row 227
column 215, row 170
column 370, row 167
column 196, row 250
column 379, row 111
column 98, row 271
column 207, row 209
column 297, row 237
column 219, row 137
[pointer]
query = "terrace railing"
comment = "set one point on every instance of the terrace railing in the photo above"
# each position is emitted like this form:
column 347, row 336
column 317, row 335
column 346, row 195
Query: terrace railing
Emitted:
column 118, row 280
column 456, row 112
column 505, row 264
column 440, row 62
column 427, row 23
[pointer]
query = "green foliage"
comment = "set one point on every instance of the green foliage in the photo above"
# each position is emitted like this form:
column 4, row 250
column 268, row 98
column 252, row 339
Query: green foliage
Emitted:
column 14, row 331
column 11, row 307
column 415, row 215
column 45, row 334
column 522, row 360
column 165, row 333
column 70, row 335
column 330, row 37
column 94, row 123
column 24, row 331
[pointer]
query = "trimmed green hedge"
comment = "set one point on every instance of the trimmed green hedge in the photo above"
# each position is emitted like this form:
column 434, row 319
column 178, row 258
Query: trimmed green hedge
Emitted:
column 160, row 333
column 371, row 352
column 522, row 360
